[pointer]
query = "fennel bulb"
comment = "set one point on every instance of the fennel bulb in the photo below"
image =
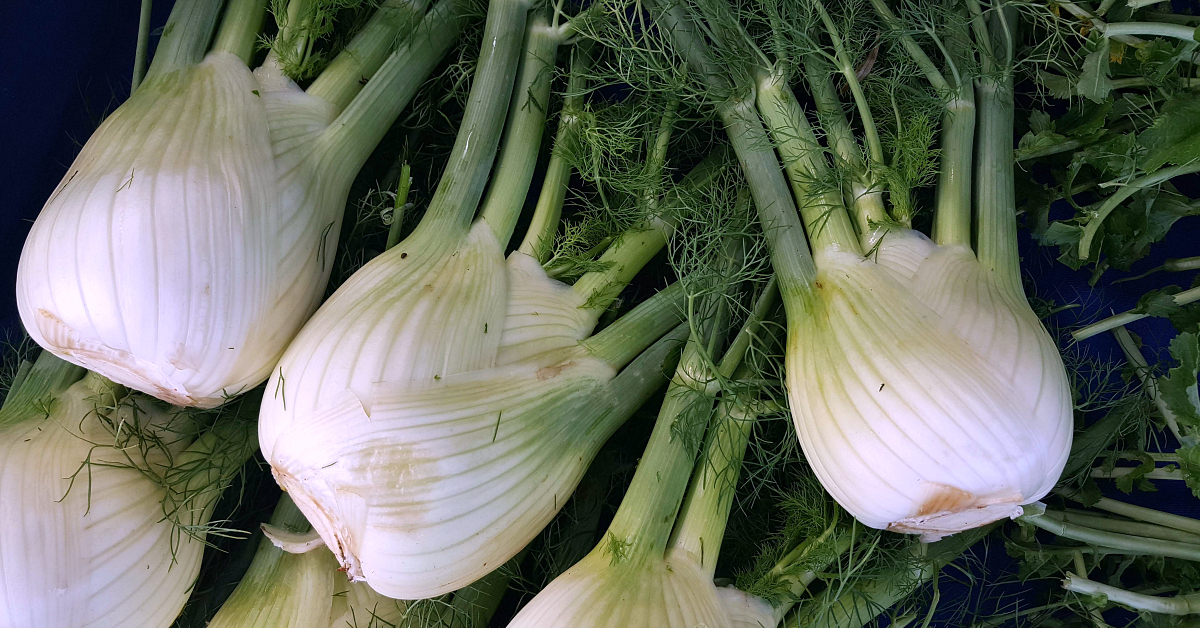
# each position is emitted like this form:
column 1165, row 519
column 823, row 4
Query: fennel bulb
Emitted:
column 92, row 489
column 601, row 592
column 440, row 407
column 194, row 233
column 421, row 485
column 928, row 398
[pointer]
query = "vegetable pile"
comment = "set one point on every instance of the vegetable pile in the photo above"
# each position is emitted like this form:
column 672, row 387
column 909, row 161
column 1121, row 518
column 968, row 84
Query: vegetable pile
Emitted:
column 628, row 313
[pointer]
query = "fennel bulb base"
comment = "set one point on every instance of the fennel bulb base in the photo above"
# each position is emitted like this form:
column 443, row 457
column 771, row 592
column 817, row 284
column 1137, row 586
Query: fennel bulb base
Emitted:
column 927, row 398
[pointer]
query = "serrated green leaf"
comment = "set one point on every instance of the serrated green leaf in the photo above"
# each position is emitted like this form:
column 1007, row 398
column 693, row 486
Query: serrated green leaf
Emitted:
column 1094, row 83
column 1159, row 302
column 1187, row 319
column 1179, row 387
column 1059, row 86
column 1175, row 136
column 1189, row 464
column 1040, row 122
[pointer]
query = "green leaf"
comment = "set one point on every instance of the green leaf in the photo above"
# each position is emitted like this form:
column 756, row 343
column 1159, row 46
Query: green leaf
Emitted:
column 1094, row 83
column 1189, row 464
column 1040, row 122
column 1159, row 302
column 1175, row 136
column 1179, row 387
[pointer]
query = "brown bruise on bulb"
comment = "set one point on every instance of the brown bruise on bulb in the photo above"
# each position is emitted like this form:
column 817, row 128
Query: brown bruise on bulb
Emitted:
column 949, row 509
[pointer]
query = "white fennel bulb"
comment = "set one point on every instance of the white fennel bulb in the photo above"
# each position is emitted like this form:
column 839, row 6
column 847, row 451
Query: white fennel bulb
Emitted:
column 450, row 443
column 654, row 592
column 194, row 233
column 153, row 261
column 928, row 398
column 437, row 411
column 92, row 487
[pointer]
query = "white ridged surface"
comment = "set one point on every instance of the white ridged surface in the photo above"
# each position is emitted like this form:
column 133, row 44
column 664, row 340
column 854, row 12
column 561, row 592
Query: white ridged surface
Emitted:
column 436, row 412
column 182, row 250
column 75, row 564
column 442, row 482
column 647, row 593
column 926, row 399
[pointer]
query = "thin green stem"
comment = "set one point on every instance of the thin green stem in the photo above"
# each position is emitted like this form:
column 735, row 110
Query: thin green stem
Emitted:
column 1141, row 513
column 539, row 237
column 1134, row 528
column 403, row 187
column 1173, row 265
column 344, row 77
column 238, row 32
column 1133, row 355
column 629, row 335
column 185, row 36
column 142, row 48
column 870, row 133
column 865, row 196
column 643, row 522
column 466, row 174
column 637, row 246
column 1125, row 191
column 353, row 135
column 474, row 605
column 1150, row 29
column 700, row 526
column 825, row 217
column 918, row 56
column 526, row 121
column 1127, row 542
column 1179, row 605
column 1190, row 295
column 201, row 473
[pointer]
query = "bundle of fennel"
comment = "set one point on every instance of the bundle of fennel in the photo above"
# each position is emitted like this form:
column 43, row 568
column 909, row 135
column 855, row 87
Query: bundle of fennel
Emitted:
column 724, row 199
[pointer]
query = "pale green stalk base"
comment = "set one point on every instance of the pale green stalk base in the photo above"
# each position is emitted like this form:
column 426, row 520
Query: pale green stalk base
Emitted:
column 952, row 213
column 539, row 237
column 238, row 33
column 1182, row 298
column 866, row 194
column 185, row 37
column 343, row 78
column 824, row 216
column 624, row 340
column 522, row 143
column 466, row 174
column 700, row 525
column 1178, row 605
column 642, row 525
column 995, row 191
column 143, row 46
column 45, row 379
column 352, row 137
column 790, row 255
